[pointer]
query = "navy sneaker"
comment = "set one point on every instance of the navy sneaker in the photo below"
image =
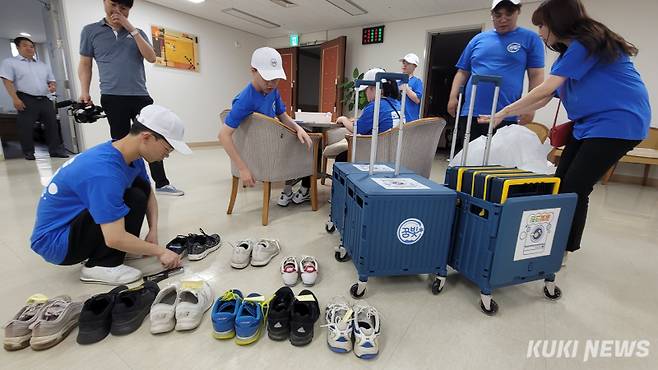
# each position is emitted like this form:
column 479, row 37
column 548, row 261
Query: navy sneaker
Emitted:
column 278, row 318
column 305, row 312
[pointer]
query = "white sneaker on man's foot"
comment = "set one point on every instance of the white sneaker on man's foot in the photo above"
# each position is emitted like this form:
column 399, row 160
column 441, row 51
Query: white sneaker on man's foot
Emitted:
column 118, row 275
column 169, row 190
column 284, row 199
column 302, row 195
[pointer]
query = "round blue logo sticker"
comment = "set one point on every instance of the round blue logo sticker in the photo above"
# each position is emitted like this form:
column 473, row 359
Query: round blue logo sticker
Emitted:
column 514, row 47
column 410, row 231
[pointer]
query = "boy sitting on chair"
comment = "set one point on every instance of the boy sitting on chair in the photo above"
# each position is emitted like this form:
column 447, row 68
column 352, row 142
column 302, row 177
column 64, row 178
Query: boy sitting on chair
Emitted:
column 262, row 96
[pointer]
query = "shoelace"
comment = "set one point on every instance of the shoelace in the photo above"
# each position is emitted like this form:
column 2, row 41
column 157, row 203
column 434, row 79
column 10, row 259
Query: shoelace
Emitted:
column 29, row 312
column 264, row 305
column 332, row 316
column 55, row 309
column 229, row 295
column 289, row 261
column 371, row 312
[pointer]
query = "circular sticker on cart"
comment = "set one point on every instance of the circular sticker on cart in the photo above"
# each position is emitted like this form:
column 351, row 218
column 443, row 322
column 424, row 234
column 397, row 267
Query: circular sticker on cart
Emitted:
column 410, row 231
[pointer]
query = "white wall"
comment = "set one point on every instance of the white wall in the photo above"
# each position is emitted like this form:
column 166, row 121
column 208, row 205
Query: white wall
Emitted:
column 635, row 23
column 197, row 98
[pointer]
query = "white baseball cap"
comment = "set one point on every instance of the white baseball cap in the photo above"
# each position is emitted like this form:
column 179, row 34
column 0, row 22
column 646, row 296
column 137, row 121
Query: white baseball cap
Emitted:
column 496, row 2
column 267, row 62
column 166, row 123
column 370, row 76
column 411, row 58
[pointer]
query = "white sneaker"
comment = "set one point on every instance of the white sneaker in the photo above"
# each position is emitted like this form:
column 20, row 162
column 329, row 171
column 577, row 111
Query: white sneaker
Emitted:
column 242, row 254
column 289, row 271
column 119, row 275
column 169, row 190
column 340, row 323
column 163, row 310
column 194, row 299
column 264, row 251
column 366, row 330
column 308, row 267
column 285, row 199
column 302, row 195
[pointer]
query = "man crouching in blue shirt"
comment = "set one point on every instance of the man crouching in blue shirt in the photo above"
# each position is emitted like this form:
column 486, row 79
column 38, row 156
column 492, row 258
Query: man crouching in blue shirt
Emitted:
column 262, row 96
column 95, row 204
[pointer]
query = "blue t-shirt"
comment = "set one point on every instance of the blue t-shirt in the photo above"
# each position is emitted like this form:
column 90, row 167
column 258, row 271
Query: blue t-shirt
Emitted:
column 605, row 100
column 412, row 110
column 95, row 180
column 508, row 56
column 389, row 116
column 250, row 101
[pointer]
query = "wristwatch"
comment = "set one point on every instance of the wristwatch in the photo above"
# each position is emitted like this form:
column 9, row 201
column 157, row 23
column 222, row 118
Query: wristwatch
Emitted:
column 134, row 32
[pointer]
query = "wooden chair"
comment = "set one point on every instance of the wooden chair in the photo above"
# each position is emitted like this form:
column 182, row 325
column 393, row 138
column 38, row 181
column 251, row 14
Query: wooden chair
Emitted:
column 273, row 153
column 419, row 143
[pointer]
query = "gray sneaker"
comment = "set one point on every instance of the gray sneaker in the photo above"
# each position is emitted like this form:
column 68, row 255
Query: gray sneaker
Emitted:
column 55, row 321
column 17, row 330
column 264, row 251
column 169, row 190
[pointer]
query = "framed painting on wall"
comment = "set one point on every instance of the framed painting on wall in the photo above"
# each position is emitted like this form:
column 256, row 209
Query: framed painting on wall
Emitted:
column 175, row 49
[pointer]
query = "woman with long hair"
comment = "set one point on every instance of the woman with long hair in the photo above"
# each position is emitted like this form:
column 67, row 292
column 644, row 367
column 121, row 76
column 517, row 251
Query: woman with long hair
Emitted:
column 601, row 91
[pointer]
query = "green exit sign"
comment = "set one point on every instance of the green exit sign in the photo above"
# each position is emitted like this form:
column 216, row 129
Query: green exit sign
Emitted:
column 294, row 39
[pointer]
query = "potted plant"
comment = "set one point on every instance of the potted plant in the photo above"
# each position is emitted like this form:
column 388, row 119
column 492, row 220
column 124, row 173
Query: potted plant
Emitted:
column 348, row 92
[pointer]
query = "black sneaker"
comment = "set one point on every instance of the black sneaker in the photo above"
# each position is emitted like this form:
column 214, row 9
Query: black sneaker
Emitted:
column 131, row 307
column 278, row 317
column 179, row 245
column 96, row 316
column 304, row 314
column 202, row 245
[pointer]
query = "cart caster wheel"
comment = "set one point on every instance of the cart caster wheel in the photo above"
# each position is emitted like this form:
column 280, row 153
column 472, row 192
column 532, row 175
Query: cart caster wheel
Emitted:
column 330, row 227
column 492, row 310
column 354, row 291
column 437, row 287
column 557, row 294
column 341, row 255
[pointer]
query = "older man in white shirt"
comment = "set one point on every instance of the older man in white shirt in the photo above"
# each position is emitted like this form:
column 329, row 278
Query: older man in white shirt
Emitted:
column 28, row 82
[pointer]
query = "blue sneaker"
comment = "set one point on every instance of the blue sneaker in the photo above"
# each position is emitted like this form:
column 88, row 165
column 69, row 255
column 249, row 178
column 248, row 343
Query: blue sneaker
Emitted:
column 250, row 319
column 224, row 312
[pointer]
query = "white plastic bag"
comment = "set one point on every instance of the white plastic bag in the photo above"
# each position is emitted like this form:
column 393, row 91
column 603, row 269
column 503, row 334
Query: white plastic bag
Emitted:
column 511, row 146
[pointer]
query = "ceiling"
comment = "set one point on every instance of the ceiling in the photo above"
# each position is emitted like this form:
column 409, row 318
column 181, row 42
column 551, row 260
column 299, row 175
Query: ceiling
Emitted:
column 317, row 15
column 22, row 16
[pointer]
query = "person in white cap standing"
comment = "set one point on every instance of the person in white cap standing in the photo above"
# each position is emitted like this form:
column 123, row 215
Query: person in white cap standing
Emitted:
column 415, row 87
column 95, row 204
column 261, row 95
column 508, row 51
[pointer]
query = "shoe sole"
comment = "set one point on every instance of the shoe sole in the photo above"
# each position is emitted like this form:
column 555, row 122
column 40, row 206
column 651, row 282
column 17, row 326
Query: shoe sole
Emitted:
column 92, row 336
column 187, row 326
column 369, row 356
column 198, row 257
column 170, row 194
column 338, row 349
column 301, row 341
column 248, row 340
column 17, row 343
column 45, row 342
column 127, row 327
column 162, row 328
column 303, row 201
column 278, row 337
column 223, row 335
column 283, row 205
column 239, row 266
column 103, row 282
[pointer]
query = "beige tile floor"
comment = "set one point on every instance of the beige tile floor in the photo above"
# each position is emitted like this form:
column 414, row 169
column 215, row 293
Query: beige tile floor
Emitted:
column 609, row 287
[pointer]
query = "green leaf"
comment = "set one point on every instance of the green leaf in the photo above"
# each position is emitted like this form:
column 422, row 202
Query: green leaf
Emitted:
column 355, row 73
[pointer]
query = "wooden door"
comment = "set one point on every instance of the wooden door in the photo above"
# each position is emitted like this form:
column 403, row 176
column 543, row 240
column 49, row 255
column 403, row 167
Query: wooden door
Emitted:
column 333, row 72
column 287, row 87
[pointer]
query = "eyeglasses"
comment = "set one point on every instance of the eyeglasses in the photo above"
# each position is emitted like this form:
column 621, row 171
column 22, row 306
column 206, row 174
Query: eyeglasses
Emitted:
column 168, row 148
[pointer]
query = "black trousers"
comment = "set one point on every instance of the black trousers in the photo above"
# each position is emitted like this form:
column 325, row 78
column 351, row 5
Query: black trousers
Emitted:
column 37, row 108
column 477, row 130
column 121, row 110
column 86, row 241
column 583, row 164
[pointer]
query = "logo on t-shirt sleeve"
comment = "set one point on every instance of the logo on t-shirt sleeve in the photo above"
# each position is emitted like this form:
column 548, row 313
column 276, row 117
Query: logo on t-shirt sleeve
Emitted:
column 514, row 47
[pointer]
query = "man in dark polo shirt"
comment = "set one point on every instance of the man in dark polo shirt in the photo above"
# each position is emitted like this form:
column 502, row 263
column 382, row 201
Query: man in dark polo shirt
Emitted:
column 28, row 82
column 119, row 49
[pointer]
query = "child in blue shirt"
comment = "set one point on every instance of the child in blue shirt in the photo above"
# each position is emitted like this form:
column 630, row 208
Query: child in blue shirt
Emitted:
column 389, row 110
column 262, row 96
